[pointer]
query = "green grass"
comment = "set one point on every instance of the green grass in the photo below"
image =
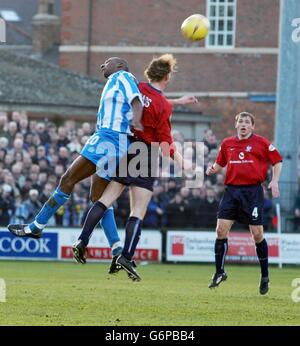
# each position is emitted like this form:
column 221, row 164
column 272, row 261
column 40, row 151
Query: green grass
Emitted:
column 53, row 293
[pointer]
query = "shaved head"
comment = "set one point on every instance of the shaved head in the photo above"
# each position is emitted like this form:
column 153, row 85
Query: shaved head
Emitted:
column 113, row 65
column 122, row 63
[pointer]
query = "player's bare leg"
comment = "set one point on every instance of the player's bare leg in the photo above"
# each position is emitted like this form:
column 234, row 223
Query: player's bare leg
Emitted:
column 262, row 254
column 79, row 170
column 221, row 247
column 139, row 200
column 257, row 233
column 98, row 185
column 112, row 193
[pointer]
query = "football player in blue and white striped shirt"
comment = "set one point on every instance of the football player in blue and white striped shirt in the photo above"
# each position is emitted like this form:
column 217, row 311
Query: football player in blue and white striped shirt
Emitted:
column 120, row 108
column 119, row 98
column 115, row 111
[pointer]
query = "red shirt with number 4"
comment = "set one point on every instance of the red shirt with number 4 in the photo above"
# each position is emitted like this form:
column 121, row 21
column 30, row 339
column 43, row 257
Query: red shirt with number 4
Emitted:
column 247, row 160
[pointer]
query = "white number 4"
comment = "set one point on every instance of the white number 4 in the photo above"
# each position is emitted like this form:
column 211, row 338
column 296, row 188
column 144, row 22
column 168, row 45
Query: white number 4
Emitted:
column 255, row 212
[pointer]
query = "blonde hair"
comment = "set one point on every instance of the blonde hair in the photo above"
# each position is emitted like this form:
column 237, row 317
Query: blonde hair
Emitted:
column 160, row 67
column 244, row 115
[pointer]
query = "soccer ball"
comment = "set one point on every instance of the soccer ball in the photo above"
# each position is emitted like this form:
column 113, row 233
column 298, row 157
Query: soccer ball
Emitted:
column 195, row 27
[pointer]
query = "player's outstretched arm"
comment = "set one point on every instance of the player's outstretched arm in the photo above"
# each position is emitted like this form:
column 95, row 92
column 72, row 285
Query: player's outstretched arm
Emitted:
column 215, row 168
column 137, row 109
column 184, row 100
column 276, row 170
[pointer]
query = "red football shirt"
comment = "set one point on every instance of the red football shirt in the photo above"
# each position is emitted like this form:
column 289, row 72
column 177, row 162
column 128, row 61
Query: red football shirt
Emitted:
column 156, row 118
column 247, row 160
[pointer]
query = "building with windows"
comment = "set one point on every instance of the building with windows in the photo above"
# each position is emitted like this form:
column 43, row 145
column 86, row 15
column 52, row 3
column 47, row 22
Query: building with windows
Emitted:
column 233, row 69
column 222, row 15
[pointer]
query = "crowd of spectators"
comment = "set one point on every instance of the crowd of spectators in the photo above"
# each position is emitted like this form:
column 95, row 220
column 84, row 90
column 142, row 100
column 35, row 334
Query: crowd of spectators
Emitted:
column 34, row 153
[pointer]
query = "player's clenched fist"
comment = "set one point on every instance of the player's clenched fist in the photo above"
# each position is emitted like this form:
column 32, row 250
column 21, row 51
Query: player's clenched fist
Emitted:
column 210, row 170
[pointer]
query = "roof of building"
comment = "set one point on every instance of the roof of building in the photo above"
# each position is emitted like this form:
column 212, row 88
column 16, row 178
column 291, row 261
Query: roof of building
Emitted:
column 36, row 85
column 19, row 32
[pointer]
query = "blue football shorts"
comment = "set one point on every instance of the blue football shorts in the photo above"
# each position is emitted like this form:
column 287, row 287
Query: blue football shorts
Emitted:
column 106, row 148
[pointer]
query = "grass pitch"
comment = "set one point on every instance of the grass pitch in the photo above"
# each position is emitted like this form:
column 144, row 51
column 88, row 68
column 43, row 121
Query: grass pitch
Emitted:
column 53, row 293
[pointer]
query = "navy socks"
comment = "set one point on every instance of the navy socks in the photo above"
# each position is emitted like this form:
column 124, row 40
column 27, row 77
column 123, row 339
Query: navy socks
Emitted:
column 221, row 247
column 133, row 233
column 262, row 254
column 92, row 219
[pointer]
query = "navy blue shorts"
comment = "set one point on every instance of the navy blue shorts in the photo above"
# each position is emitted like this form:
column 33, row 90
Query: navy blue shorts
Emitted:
column 243, row 204
column 146, row 167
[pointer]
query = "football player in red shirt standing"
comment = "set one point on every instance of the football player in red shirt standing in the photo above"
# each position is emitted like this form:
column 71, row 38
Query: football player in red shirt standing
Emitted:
column 247, row 157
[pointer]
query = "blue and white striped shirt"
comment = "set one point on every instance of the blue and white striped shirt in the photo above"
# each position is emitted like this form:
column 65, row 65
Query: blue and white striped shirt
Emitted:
column 115, row 111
